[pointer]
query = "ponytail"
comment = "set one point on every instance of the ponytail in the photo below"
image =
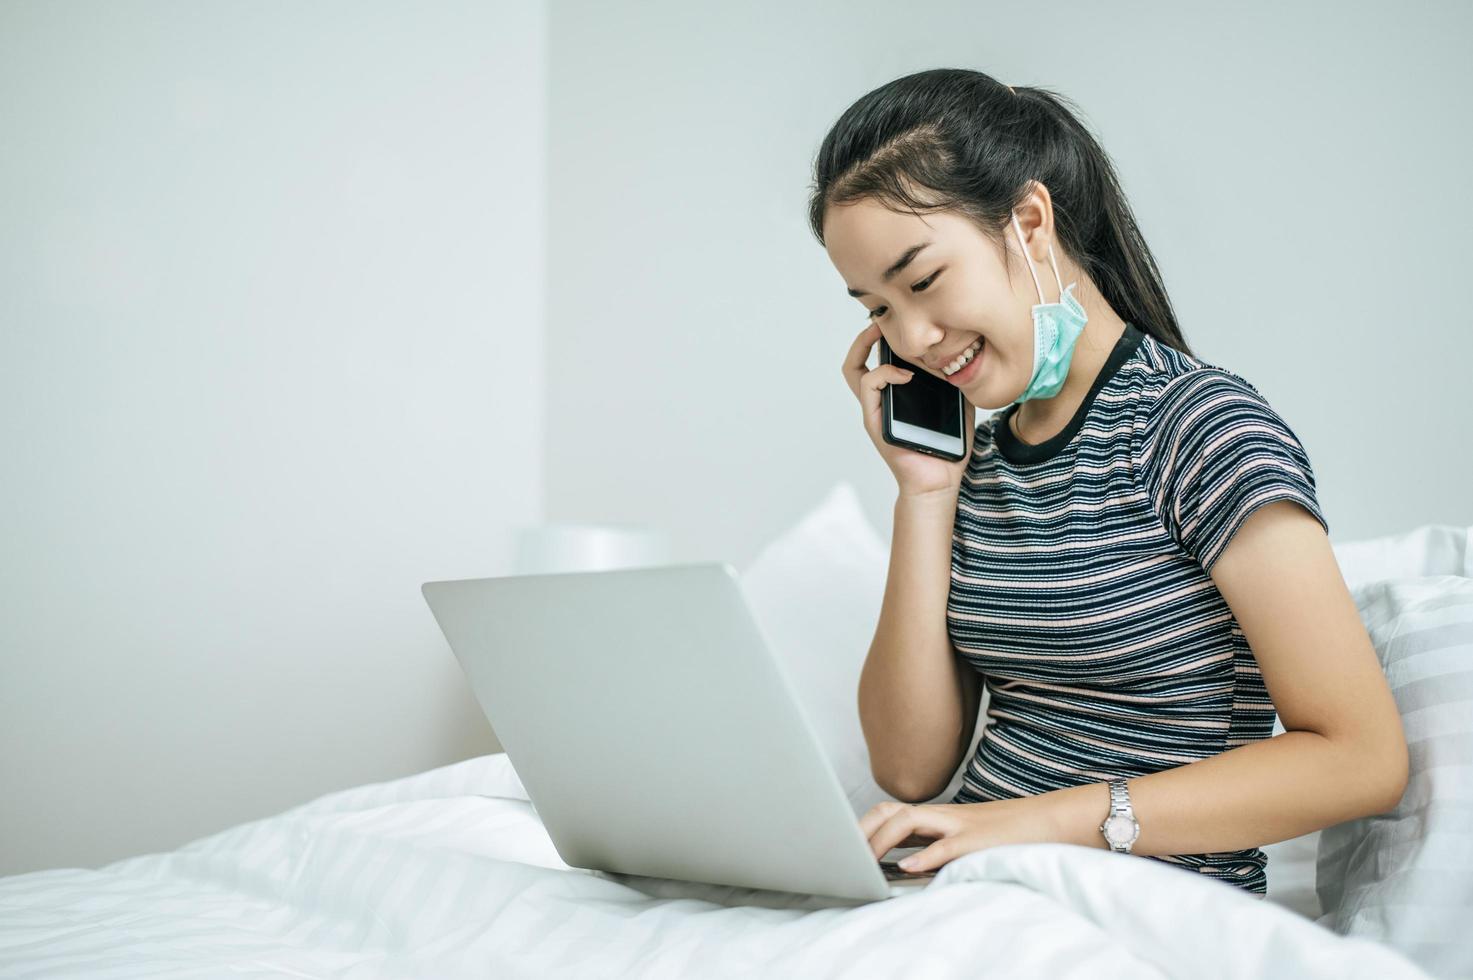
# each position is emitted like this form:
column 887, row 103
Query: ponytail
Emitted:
column 959, row 140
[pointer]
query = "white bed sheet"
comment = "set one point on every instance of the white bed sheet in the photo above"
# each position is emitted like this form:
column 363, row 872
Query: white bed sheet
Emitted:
column 450, row 873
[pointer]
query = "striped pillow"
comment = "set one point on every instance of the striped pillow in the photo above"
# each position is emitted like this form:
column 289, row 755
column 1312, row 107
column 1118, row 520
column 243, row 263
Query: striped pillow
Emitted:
column 1405, row 877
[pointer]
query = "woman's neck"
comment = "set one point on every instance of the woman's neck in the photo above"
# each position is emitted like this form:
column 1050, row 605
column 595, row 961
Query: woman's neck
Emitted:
column 1040, row 419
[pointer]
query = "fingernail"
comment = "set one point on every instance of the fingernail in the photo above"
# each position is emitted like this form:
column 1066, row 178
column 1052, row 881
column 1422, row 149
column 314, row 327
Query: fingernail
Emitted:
column 908, row 863
column 909, row 374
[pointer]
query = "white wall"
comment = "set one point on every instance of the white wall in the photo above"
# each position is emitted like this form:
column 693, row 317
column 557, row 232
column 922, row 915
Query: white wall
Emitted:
column 272, row 324
column 271, row 282
column 1295, row 172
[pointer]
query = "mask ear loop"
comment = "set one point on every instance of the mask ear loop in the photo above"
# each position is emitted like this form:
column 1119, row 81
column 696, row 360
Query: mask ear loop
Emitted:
column 1036, row 284
column 1056, row 271
column 1028, row 258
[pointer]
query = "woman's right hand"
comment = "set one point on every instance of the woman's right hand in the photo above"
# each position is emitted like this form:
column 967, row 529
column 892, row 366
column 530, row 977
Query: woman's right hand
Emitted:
column 915, row 472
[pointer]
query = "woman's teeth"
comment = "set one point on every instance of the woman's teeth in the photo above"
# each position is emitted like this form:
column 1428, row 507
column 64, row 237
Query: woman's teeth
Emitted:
column 962, row 360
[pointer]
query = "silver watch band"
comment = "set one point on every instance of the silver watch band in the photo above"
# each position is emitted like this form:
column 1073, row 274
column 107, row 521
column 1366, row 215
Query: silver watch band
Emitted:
column 1120, row 812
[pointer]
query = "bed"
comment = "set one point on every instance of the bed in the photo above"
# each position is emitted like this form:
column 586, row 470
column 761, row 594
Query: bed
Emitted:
column 450, row 872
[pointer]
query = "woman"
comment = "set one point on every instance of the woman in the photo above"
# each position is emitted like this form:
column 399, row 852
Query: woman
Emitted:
column 1131, row 556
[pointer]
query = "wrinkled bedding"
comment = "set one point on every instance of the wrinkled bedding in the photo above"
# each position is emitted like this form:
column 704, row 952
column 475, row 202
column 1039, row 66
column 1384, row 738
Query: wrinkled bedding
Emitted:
column 451, row 873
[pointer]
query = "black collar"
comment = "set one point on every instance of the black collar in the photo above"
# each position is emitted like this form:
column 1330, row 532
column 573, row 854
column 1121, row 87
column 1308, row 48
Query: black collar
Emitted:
column 1014, row 449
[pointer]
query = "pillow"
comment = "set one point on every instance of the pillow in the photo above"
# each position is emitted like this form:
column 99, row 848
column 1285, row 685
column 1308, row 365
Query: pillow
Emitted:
column 815, row 592
column 1427, row 550
column 1405, row 877
column 1432, row 549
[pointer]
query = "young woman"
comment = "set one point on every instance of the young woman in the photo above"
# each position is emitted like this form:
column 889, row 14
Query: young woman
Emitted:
column 1132, row 556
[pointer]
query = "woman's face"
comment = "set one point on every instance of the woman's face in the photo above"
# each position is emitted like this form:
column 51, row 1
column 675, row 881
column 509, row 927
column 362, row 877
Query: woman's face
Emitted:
column 950, row 293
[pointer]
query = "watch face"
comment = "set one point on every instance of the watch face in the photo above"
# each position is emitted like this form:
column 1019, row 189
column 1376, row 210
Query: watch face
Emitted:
column 1119, row 829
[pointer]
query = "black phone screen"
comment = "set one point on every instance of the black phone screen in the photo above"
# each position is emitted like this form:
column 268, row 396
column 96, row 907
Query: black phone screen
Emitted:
column 925, row 400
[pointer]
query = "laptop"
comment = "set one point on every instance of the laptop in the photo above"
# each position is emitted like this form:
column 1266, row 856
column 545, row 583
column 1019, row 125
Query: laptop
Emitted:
column 656, row 733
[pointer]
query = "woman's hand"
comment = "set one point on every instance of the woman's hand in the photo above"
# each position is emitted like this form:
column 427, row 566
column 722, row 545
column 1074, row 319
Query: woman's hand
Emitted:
column 915, row 473
column 953, row 829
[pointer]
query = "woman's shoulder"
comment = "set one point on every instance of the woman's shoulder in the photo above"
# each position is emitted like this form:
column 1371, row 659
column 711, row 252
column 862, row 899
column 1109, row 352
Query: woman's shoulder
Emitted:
column 1175, row 388
column 1160, row 364
column 1210, row 449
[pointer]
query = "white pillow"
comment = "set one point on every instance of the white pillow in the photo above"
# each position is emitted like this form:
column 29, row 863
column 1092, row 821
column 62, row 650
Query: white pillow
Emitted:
column 1432, row 549
column 1405, row 877
column 815, row 592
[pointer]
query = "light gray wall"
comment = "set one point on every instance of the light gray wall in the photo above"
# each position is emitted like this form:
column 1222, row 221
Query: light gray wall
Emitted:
column 1299, row 171
column 271, row 281
column 274, row 348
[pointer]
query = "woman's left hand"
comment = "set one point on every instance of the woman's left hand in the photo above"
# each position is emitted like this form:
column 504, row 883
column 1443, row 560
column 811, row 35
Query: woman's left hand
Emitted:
column 953, row 829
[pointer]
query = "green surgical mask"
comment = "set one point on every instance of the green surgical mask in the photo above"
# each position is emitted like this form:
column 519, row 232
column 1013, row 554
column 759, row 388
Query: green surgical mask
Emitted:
column 1056, row 326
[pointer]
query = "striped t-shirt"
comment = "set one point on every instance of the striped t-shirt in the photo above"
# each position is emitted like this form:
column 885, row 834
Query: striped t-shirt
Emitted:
column 1080, row 586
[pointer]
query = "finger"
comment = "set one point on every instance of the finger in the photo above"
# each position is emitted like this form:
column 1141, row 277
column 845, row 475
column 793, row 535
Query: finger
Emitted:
column 928, row 823
column 864, row 342
column 877, row 815
column 895, row 829
column 930, row 858
column 858, row 354
column 872, row 382
column 887, row 374
column 883, row 811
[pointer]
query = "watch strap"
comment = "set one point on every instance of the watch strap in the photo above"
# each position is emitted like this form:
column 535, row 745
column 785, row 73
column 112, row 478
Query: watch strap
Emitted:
column 1119, row 797
column 1119, row 806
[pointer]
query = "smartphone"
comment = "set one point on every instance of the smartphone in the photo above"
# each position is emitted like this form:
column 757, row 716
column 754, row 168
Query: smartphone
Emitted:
column 925, row 413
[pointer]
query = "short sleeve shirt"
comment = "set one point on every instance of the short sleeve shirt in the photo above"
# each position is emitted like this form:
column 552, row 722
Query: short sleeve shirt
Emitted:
column 1080, row 584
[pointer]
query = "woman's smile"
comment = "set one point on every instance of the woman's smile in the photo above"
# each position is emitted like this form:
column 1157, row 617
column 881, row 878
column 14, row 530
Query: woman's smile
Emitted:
column 970, row 369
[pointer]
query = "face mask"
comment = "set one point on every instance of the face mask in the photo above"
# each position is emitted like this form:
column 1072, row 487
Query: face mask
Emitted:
column 1056, row 326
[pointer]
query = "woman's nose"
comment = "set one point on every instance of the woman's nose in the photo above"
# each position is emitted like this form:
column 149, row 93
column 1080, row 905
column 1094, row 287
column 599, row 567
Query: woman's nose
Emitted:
column 916, row 339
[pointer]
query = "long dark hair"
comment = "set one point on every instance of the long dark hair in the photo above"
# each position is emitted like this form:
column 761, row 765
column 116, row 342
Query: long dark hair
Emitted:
column 959, row 140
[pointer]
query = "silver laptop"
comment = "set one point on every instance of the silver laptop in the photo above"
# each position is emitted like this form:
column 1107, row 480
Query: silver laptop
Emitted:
column 655, row 732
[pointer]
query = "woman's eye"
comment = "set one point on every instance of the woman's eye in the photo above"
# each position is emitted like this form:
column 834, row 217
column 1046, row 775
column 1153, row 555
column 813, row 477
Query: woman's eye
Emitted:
column 918, row 287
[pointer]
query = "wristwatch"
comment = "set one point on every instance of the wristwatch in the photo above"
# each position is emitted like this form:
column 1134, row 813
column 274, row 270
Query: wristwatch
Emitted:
column 1120, row 827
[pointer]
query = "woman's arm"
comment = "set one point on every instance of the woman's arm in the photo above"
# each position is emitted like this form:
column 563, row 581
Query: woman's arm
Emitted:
column 912, row 692
column 1342, row 755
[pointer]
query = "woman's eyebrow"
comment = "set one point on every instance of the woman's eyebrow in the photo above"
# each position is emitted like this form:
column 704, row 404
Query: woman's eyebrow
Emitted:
column 895, row 269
